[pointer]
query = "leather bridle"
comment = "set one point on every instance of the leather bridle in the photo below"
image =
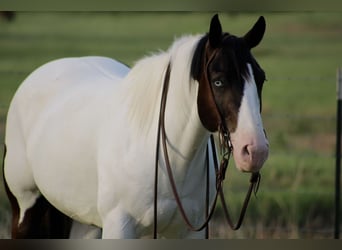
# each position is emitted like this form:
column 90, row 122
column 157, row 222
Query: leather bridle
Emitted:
column 225, row 147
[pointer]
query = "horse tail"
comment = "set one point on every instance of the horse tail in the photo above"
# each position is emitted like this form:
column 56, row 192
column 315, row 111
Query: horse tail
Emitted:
column 13, row 201
column 3, row 159
column 8, row 192
column 10, row 195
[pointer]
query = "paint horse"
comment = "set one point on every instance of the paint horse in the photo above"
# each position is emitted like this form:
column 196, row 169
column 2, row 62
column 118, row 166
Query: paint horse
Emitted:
column 81, row 136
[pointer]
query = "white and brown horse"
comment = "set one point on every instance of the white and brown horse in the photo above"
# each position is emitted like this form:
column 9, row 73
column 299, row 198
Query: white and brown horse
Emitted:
column 81, row 136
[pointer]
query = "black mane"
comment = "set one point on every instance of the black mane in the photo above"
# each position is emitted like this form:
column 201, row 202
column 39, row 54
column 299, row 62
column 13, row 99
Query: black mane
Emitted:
column 197, row 59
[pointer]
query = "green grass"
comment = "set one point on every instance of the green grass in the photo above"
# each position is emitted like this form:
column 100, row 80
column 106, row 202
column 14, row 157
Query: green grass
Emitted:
column 300, row 53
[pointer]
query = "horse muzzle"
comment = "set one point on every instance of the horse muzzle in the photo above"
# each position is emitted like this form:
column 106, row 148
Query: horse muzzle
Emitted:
column 250, row 152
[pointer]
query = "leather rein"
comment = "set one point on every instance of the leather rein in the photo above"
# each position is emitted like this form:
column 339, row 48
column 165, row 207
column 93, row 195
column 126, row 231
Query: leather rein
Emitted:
column 225, row 147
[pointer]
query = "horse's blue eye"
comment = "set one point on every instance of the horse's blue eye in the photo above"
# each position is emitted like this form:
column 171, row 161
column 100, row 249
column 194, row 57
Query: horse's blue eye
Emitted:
column 218, row 83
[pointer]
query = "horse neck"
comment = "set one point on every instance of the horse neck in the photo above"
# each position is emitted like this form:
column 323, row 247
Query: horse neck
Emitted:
column 187, row 138
column 184, row 129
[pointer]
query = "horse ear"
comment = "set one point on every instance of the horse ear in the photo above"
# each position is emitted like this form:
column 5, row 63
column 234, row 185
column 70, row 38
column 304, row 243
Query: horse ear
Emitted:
column 255, row 35
column 215, row 32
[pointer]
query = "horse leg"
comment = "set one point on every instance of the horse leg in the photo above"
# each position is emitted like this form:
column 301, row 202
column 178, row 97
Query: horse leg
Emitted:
column 56, row 224
column 195, row 235
column 83, row 231
column 117, row 224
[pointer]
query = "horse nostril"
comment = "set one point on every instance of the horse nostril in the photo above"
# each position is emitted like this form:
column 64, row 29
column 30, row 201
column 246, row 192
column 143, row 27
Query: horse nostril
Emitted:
column 246, row 152
column 251, row 154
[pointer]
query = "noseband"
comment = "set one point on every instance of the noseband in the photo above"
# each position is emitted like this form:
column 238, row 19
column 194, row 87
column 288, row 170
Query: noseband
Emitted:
column 226, row 149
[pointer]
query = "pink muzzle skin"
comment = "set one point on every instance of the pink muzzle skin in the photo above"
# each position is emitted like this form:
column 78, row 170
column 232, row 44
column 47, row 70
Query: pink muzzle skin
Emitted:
column 249, row 152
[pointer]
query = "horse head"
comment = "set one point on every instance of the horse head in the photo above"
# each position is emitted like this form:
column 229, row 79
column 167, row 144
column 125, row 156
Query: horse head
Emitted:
column 229, row 95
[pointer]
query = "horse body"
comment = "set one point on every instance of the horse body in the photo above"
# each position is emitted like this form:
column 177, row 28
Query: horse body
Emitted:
column 86, row 152
column 82, row 132
column 47, row 110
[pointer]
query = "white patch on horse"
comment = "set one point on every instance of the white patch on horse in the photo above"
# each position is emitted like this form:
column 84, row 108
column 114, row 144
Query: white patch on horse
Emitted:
column 249, row 133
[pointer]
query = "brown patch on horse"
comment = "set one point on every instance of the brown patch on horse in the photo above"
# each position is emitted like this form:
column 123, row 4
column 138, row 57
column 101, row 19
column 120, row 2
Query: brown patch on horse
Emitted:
column 41, row 221
column 204, row 53
column 214, row 105
column 222, row 58
column 207, row 107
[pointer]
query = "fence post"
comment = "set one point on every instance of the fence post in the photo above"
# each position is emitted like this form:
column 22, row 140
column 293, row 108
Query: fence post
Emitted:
column 338, row 155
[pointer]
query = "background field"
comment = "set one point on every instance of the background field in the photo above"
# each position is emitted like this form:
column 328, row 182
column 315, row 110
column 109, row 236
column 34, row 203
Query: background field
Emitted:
column 300, row 54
